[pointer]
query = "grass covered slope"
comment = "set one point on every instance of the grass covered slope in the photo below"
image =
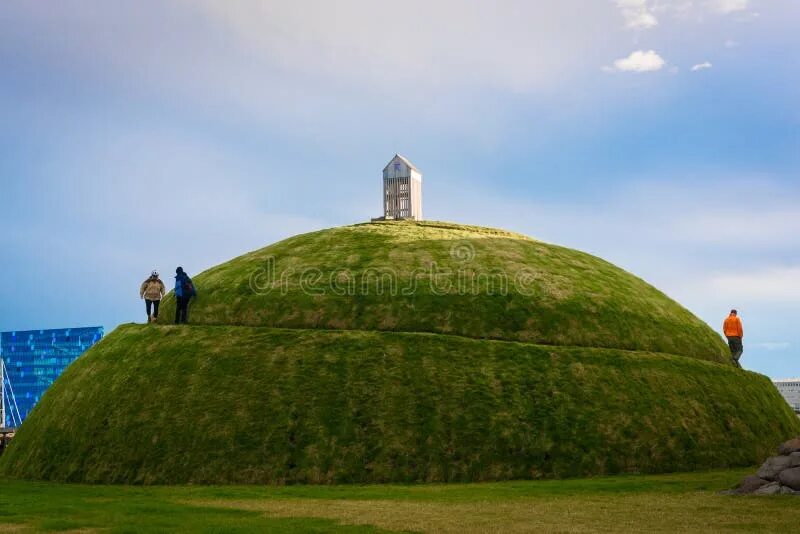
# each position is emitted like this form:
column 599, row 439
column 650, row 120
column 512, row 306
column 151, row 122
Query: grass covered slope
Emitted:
column 325, row 358
column 206, row 404
column 451, row 279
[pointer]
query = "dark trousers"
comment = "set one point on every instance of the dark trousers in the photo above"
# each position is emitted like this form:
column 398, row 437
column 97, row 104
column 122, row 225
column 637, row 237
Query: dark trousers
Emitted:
column 735, row 344
column 182, row 310
column 152, row 304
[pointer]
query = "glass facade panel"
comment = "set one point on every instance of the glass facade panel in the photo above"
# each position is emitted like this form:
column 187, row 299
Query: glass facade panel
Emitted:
column 33, row 360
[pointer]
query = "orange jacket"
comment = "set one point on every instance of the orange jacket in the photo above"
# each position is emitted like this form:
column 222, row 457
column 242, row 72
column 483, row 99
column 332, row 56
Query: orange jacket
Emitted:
column 732, row 326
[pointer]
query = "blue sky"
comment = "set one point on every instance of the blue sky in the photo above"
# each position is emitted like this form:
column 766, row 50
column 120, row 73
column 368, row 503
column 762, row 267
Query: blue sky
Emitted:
column 663, row 136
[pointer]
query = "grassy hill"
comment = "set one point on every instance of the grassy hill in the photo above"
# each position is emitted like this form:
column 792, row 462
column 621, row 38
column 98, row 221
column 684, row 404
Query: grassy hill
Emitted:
column 451, row 279
column 181, row 404
column 306, row 361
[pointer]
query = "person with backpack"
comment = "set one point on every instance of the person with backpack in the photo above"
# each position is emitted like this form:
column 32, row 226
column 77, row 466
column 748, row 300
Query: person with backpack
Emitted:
column 152, row 291
column 732, row 328
column 184, row 291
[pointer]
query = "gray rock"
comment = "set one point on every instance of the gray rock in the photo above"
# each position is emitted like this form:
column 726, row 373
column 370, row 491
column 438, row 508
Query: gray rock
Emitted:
column 773, row 488
column 750, row 484
column 773, row 466
column 786, row 490
column 787, row 448
column 795, row 459
column 790, row 477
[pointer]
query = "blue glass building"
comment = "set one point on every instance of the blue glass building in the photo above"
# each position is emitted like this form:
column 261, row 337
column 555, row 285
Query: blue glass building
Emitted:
column 33, row 360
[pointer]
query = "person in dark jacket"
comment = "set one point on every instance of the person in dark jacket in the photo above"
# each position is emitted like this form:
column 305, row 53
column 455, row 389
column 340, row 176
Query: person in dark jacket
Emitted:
column 184, row 291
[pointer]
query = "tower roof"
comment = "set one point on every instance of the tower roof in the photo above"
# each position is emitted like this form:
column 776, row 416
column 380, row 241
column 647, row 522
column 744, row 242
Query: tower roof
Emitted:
column 404, row 160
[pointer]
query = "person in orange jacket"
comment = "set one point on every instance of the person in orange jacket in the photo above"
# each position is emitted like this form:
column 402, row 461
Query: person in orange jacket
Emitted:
column 732, row 328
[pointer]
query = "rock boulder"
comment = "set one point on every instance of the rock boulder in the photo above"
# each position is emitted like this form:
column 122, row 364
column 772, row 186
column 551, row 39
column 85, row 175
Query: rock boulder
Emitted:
column 778, row 475
column 791, row 478
column 751, row 484
column 773, row 488
column 788, row 447
column 773, row 466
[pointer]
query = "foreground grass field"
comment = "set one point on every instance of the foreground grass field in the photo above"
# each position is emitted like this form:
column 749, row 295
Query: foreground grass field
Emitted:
column 656, row 503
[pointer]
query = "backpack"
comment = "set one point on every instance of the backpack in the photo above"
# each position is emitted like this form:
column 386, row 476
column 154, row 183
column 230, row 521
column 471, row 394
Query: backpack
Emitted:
column 187, row 288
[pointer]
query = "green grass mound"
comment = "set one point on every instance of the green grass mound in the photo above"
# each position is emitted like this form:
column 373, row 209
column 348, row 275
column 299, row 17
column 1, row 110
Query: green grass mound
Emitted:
column 450, row 279
column 404, row 351
column 224, row 404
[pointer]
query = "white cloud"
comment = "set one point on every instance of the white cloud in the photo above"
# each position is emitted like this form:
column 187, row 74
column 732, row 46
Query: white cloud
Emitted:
column 279, row 59
column 773, row 284
column 639, row 61
column 729, row 6
column 730, row 43
column 637, row 14
column 702, row 66
column 678, row 8
column 760, row 224
column 698, row 10
column 517, row 45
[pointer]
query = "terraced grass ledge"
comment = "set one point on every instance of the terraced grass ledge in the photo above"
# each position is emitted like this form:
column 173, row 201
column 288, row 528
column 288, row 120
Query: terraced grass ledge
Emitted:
column 229, row 404
column 426, row 276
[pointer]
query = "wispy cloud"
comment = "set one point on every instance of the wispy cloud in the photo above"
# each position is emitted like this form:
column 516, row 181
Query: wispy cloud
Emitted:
column 702, row 66
column 762, row 224
column 729, row 6
column 517, row 45
column 637, row 14
column 775, row 284
column 638, row 61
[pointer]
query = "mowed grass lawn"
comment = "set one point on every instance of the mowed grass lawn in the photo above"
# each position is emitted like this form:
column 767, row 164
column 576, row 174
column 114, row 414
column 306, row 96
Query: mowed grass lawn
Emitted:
column 686, row 502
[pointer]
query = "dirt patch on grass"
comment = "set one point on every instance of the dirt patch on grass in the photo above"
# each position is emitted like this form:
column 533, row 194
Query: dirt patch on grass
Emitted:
column 694, row 512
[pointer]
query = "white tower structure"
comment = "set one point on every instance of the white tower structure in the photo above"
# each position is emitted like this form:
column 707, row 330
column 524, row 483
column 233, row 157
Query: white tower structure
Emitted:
column 790, row 389
column 402, row 190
